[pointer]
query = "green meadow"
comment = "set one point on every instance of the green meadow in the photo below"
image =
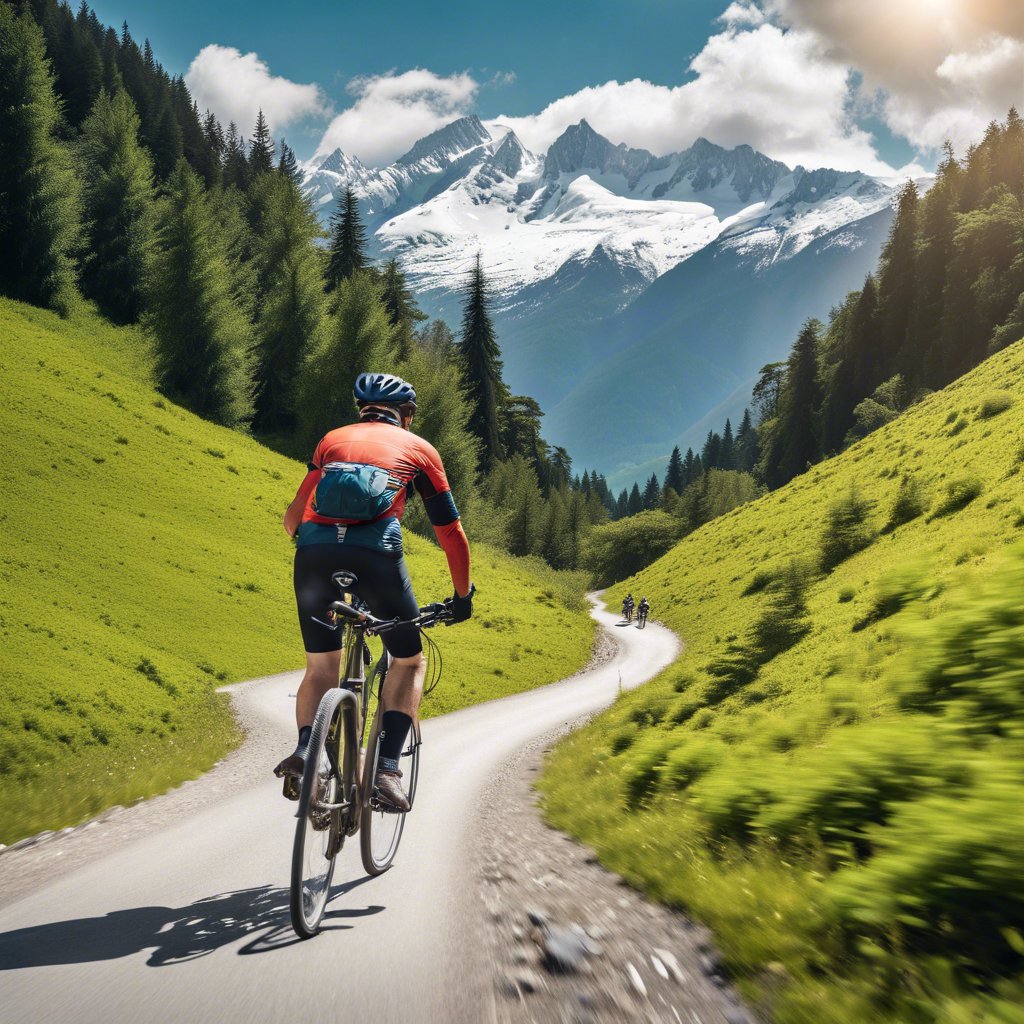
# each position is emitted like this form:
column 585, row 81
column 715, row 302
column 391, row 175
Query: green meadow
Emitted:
column 832, row 774
column 144, row 565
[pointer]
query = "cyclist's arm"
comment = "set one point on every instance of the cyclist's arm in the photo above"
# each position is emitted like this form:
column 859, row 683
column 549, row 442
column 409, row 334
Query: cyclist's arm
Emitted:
column 432, row 485
column 293, row 514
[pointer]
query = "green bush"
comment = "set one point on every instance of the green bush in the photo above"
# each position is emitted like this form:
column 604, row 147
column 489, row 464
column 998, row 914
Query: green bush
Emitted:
column 693, row 757
column 783, row 623
column 842, row 787
column 894, row 592
column 847, row 530
column 969, row 663
column 946, row 879
column 616, row 550
column 994, row 403
column 908, row 504
column 643, row 763
column 959, row 492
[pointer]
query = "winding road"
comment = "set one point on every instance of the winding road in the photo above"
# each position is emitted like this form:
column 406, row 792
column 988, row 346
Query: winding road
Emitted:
column 177, row 911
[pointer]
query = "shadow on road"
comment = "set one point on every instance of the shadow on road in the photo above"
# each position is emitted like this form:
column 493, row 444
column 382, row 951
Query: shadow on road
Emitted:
column 177, row 934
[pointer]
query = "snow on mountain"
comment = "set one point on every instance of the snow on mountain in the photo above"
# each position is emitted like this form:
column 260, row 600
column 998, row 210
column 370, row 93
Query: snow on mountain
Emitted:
column 409, row 180
column 466, row 189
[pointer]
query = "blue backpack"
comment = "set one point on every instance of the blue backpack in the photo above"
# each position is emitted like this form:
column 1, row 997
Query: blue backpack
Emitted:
column 355, row 491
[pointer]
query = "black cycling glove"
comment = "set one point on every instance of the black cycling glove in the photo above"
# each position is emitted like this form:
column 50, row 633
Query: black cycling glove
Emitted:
column 462, row 607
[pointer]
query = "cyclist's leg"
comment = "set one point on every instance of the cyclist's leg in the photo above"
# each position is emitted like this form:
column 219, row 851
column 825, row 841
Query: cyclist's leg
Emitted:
column 322, row 672
column 314, row 592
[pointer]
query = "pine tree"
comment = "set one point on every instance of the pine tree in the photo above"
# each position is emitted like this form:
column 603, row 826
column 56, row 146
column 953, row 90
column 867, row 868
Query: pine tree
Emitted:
column 200, row 332
column 167, row 145
column 357, row 339
column 712, row 450
column 118, row 178
column 39, row 207
column 291, row 312
column 897, row 271
column 691, row 469
column 674, row 472
column 288, row 165
column 236, row 167
column 347, row 250
column 652, row 492
column 796, row 438
column 622, row 504
column 482, row 360
column 636, row 501
column 261, row 148
column 402, row 308
column 727, row 454
column 746, row 444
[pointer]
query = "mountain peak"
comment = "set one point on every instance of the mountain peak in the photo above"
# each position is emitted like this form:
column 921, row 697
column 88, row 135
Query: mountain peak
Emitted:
column 338, row 162
column 579, row 148
column 456, row 137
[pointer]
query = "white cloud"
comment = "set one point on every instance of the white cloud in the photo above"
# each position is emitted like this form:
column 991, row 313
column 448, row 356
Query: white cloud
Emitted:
column 236, row 86
column 777, row 90
column 393, row 111
column 939, row 68
column 739, row 14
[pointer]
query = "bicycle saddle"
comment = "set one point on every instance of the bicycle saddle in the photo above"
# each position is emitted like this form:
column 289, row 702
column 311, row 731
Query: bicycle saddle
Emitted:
column 345, row 580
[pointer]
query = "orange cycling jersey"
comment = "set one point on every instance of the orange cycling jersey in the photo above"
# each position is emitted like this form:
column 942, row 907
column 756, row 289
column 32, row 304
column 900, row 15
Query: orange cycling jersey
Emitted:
column 414, row 463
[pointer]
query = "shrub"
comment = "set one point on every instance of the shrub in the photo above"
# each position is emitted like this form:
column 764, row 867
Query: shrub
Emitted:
column 959, row 493
column 846, row 531
column 617, row 550
column 691, row 759
column 908, row 504
column 946, row 878
column 894, row 592
column 782, row 624
column 643, row 763
column 969, row 662
column 994, row 403
column 846, row 595
column 837, row 790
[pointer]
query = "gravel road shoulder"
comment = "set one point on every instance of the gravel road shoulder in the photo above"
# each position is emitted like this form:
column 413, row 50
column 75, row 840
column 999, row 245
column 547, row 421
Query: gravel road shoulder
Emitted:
column 570, row 941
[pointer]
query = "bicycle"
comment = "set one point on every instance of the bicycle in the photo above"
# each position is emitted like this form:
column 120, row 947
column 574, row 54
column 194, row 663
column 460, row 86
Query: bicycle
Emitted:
column 627, row 612
column 641, row 618
column 337, row 796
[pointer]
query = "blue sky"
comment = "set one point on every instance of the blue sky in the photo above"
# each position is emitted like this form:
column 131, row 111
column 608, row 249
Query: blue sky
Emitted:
column 796, row 78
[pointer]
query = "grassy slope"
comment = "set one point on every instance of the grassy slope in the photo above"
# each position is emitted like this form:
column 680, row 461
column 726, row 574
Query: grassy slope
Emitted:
column 144, row 564
column 849, row 821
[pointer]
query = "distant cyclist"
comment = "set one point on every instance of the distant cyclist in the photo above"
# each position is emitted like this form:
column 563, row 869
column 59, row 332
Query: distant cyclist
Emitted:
column 643, row 609
column 346, row 515
column 627, row 608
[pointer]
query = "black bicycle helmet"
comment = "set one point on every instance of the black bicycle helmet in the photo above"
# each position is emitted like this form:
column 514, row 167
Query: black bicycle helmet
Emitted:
column 383, row 389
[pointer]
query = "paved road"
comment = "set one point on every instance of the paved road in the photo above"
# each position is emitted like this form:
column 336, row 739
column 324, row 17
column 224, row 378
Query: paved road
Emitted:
column 188, row 922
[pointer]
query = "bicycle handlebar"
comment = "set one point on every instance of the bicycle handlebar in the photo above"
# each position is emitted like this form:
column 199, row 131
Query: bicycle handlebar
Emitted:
column 430, row 615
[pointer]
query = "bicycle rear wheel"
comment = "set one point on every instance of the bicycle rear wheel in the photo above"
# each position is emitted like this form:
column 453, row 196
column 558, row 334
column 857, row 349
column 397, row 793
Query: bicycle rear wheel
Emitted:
column 325, row 805
column 381, row 828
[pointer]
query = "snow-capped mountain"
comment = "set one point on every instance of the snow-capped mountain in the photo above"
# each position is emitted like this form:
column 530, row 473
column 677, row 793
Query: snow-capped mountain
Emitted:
column 572, row 239
column 412, row 178
column 466, row 188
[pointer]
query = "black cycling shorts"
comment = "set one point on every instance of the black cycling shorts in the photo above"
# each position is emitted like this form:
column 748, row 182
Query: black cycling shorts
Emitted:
column 384, row 585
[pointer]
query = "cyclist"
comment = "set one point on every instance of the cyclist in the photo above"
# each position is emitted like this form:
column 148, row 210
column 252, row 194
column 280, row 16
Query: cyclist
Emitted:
column 627, row 607
column 644, row 607
column 346, row 515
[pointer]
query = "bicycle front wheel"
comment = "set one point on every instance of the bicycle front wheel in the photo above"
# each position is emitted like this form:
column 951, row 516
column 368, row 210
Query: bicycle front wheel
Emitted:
column 325, row 805
column 381, row 828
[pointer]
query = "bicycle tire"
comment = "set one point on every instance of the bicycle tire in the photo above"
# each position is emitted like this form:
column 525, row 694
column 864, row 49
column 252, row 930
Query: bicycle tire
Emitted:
column 381, row 831
column 319, row 833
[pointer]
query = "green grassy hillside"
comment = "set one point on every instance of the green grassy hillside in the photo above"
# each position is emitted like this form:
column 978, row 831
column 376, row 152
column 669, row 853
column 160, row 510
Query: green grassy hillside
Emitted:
column 832, row 775
column 144, row 565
